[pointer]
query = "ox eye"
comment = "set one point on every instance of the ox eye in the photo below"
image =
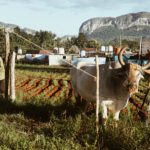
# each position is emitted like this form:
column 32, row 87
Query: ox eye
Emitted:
column 139, row 74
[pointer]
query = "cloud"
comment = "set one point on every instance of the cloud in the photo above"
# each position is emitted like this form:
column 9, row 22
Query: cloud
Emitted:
column 121, row 6
column 102, row 5
column 18, row 1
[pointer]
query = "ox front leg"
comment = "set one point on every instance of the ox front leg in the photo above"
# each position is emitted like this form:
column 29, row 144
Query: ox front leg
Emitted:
column 116, row 115
column 104, row 112
column 116, row 118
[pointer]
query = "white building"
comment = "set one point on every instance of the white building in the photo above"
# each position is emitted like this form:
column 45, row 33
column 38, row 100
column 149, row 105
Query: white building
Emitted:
column 58, row 59
column 101, row 60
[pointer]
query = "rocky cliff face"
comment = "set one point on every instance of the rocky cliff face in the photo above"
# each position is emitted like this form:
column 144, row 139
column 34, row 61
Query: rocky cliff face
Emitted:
column 135, row 23
column 6, row 25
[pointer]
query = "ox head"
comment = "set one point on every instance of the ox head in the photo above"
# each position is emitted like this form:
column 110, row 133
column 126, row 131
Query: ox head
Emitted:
column 134, row 73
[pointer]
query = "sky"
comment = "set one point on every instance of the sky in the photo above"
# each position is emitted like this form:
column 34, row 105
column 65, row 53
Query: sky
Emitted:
column 64, row 17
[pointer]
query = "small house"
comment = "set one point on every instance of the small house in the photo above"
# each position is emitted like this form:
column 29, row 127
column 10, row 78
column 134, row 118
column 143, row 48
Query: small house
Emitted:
column 87, row 52
column 59, row 59
column 37, row 56
column 101, row 60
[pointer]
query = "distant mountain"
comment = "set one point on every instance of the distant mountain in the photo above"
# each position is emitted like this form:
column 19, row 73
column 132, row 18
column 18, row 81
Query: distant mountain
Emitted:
column 12, row 26
column 108, row 28
column 6, row 25
column 29, row 31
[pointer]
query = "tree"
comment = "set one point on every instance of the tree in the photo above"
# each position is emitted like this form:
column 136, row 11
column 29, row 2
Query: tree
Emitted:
column 2, row 42
column 133, row 45
column 93, row 44
column 81, row 41
column 46, row 39
column 58, row 42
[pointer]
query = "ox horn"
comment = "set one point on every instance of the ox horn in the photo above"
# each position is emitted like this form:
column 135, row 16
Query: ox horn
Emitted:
column 120, row 56
column 146, row 65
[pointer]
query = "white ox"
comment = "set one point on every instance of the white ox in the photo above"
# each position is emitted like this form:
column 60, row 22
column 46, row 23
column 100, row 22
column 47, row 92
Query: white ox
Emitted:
column 117, row 82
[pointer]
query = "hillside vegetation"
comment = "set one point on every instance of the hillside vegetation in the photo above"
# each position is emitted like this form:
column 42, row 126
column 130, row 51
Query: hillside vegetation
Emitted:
column 111, row 33
column 109, row 28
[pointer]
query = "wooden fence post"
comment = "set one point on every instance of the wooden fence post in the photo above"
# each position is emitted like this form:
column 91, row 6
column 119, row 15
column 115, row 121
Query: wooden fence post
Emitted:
column 97, row 95
column 7, row 40
column 12, row 77
column 7, row 79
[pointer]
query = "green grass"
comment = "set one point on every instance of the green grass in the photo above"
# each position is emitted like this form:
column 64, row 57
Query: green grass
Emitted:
column 24, row 71
column 35, row 124
column 32, row 126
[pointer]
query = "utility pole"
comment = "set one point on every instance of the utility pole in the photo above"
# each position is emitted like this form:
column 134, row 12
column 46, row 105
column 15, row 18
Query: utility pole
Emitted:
column 120, row 41
column 97, row 95
column 140, row 50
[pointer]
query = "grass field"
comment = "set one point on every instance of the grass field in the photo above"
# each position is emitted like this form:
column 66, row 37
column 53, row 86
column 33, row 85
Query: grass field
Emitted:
column 45, row 116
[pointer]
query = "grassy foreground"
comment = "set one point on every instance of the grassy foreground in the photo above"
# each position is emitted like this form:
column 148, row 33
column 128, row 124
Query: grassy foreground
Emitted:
column 34, row 125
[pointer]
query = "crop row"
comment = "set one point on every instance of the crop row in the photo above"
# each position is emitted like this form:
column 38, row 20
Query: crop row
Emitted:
column 62, row 88
column 46, row 87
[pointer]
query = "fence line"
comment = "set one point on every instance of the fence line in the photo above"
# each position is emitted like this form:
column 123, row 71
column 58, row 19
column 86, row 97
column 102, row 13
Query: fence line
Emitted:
column 80, row 69
column 43, row 48
column 96, row 78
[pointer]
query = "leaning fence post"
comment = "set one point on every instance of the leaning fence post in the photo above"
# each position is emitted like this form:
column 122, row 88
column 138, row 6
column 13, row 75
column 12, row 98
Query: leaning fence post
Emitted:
column 148, row 107
column 7, row 40
column 97, row 95
column 148, row 115
column 12, row 77
column 7, row 80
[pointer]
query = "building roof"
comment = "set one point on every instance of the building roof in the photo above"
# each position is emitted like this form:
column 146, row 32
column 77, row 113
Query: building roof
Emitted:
column 89, row 49
column 39, row 52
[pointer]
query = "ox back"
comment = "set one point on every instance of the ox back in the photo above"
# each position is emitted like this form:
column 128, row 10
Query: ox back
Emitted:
column 111, row 84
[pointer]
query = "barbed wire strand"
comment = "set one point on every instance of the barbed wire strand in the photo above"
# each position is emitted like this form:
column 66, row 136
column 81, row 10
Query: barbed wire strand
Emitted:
column 27, row 40
column 43, row 48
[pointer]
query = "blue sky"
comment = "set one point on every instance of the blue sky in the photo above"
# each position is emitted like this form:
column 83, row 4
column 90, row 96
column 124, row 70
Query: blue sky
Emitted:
column 64, row 17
